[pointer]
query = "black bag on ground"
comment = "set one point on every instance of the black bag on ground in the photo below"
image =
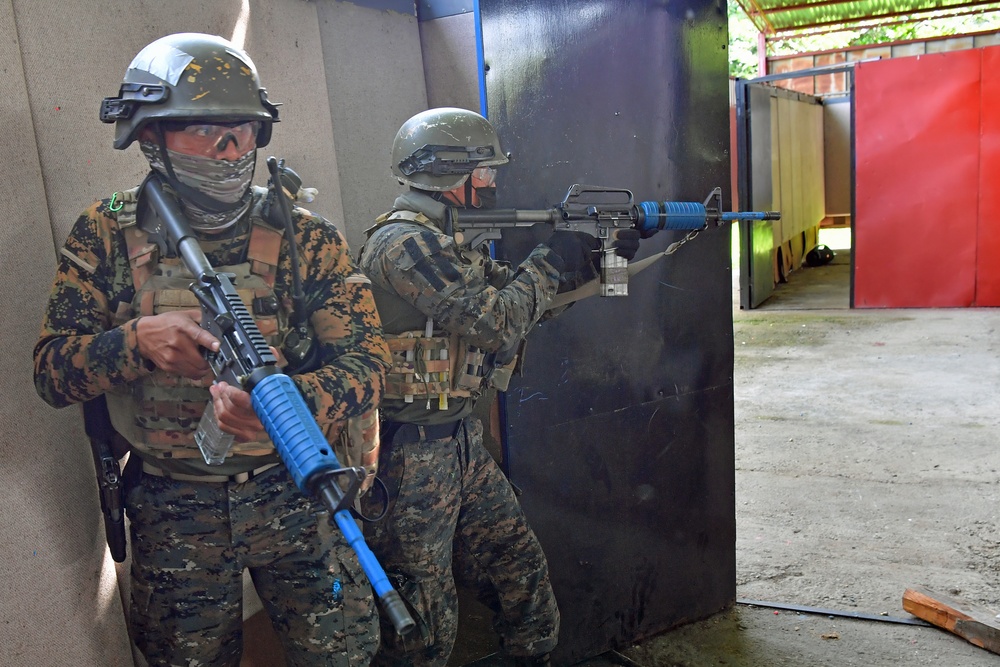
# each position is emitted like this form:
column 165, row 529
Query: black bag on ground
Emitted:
column 819, row 256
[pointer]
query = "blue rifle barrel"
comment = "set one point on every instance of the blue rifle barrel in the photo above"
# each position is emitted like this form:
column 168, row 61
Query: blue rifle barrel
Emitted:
column 655, row 215
column 308, row 456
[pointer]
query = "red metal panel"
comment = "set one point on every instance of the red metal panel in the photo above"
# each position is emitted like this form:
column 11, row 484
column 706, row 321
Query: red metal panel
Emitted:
column 988, row 249
column 917, row 181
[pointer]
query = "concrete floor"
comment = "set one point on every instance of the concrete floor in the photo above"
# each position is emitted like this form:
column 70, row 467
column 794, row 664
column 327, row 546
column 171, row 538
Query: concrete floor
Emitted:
column 846, row 577
column 825, row 287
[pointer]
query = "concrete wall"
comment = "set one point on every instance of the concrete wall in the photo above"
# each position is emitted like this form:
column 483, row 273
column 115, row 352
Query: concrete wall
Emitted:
column 348, row 73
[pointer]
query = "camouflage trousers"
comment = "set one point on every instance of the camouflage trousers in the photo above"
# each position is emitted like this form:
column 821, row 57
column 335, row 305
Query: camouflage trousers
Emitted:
column 449, row 496
column 190, row 544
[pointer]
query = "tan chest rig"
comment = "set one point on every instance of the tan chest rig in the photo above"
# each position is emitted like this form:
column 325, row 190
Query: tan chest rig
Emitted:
column 159, row 413
column 429, row 365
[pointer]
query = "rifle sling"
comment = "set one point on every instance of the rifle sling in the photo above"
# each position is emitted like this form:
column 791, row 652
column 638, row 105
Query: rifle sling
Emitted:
column 593, row 288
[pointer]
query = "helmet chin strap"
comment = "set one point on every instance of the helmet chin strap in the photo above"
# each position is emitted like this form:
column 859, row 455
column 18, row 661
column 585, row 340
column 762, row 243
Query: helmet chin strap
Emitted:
column 441, row 196
column 200, row 199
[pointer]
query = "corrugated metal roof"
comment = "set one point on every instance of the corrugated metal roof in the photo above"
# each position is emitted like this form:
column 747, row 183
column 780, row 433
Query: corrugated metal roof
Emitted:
column 786, row 17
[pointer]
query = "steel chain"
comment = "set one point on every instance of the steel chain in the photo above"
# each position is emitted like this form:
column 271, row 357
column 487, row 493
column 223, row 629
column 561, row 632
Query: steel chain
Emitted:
column 673, row 247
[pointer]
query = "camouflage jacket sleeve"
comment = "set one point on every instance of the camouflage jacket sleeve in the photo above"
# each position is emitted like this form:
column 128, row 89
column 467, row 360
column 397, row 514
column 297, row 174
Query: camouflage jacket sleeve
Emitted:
column 79, row 353
column 462, row 293
column 352, row 350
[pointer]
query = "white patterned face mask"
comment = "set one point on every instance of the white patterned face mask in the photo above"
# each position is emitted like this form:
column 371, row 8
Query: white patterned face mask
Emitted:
column 226, row 181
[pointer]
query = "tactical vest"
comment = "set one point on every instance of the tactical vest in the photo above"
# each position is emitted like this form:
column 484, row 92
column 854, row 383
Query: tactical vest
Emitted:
column 430, row 365
column 159, row 413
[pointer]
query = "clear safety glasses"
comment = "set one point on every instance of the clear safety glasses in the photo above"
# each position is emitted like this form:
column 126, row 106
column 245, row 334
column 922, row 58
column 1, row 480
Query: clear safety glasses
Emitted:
column 211, row 138
column 484, row 177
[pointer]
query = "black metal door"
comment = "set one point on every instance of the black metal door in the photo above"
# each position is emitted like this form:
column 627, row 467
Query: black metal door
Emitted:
column 620, row 434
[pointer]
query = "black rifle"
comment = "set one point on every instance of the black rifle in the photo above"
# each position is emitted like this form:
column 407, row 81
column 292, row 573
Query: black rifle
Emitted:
column 97, row 423
column 599, row 211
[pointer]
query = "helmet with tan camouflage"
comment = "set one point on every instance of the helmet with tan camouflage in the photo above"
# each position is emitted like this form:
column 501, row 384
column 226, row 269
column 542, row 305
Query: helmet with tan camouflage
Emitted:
column 189, row 76
column 437, row 149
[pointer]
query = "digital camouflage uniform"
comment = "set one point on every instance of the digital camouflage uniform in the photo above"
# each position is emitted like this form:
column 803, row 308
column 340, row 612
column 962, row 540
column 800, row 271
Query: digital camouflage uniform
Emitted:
column 192, row 539
column 444, row 486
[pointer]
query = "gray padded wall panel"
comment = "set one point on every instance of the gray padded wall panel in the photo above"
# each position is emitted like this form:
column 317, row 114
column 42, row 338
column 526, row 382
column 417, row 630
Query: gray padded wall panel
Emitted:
column 837, row 156
column 375, row 81
column 449, row 47
column 285, row 42
column 68, row 77
column 60, row 603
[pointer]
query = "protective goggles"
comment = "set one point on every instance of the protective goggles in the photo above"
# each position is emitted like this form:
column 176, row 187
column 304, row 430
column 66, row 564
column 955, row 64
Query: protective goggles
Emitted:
column 210, row 138
column 483, row 177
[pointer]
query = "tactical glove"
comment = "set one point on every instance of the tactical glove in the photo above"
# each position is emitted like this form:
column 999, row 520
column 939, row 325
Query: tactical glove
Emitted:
column 575, row 249
column 626, row 242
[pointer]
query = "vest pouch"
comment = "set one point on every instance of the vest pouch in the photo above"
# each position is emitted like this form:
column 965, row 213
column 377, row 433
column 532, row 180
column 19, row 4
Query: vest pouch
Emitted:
column 421, row 367
column 499, row 378
column 358, row 445
column 470, row 373
column 159, row 413
column 502, row 371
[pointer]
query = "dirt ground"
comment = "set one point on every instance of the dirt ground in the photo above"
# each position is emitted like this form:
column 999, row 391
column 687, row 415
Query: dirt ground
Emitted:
column 866, row 464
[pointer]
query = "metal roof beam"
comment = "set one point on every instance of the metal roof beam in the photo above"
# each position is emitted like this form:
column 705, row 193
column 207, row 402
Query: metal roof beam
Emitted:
column 864, row 24
column 914, row 16
column 863, row 6
column 756, row 12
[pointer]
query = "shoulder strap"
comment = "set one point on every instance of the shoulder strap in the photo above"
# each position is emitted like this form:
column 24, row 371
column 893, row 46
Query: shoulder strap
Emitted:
column 264, row 249
column 124, row 204
column 399, row 216
column 143, row 254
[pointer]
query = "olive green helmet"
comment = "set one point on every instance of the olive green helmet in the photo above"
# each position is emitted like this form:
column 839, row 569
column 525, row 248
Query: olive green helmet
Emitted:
column 189, row 76
column 437, row 149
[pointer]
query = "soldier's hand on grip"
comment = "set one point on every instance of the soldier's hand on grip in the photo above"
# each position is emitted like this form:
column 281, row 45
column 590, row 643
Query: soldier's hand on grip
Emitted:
column 235, row 413
column 576, row 249
column 626, row 242
column 174, row 342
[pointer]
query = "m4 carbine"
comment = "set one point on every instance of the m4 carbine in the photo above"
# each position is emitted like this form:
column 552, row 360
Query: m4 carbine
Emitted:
column 599, row 211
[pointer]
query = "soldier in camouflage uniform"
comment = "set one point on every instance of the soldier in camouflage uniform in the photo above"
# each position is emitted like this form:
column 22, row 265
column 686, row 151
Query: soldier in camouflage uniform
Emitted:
column 454, row 319
column 121, row 322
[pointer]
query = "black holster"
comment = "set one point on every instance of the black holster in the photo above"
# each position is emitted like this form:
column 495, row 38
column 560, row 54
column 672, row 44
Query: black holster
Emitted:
column 97, row 423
